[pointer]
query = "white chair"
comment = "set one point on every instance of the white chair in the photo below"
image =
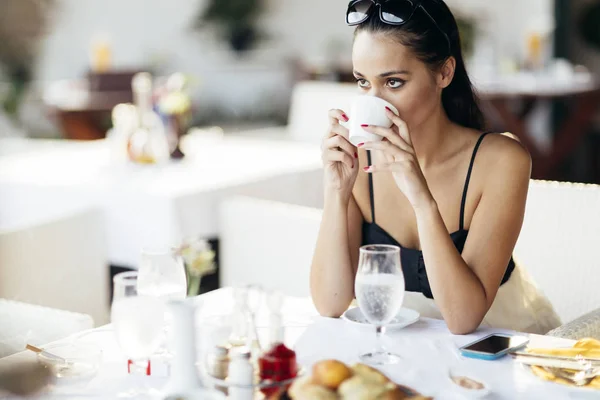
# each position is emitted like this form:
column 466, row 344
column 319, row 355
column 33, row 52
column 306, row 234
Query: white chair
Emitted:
column 302, row 188
column 265, row 241
column 559, row 245
column 586, row 326
column 308, row 116
column 311, row 102
column 268, row 243
column 53, row 256
column 26, row 323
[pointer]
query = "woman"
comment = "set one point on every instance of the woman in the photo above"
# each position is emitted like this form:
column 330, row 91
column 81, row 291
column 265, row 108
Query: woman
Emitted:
column 435, row 172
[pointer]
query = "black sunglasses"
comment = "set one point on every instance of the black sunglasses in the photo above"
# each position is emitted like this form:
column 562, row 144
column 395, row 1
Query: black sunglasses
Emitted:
column 391, row 12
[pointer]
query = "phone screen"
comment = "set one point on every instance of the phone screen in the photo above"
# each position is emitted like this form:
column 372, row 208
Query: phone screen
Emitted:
column 495, row 344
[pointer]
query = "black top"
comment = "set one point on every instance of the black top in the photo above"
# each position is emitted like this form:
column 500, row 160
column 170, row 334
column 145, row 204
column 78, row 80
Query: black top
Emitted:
column 413, row 266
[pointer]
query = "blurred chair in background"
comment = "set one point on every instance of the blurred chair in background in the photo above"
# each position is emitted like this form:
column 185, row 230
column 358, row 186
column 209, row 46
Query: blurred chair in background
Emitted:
column 308, row 118
column 268, row 243
column 558, row 245
column 56, row 257
column 311, row 101
column 272, row 243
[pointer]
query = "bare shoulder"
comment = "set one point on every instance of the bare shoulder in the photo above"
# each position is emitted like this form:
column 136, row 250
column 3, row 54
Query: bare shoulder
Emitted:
column 504, row 152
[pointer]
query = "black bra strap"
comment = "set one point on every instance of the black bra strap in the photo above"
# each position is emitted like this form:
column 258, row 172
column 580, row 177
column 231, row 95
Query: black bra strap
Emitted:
column 371, row 193
column 466, row 188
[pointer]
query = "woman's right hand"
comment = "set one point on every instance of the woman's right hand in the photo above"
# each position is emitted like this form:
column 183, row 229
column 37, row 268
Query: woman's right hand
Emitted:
column 340, row 159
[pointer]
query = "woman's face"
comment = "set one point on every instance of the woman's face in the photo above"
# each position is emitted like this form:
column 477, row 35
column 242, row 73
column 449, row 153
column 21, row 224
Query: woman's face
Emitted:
column 387, row 69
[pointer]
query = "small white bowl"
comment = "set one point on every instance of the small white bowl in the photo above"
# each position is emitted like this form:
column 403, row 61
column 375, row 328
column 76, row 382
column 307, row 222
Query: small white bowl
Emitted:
column 80, row 363
column 472, row 393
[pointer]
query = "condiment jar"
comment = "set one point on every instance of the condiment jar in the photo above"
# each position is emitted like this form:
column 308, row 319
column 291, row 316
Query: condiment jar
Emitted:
column 218, row 362
column 241, row 376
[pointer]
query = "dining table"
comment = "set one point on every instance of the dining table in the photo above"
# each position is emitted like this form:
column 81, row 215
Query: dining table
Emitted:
column 428, row 350
column 531, row 92
column 156, row 205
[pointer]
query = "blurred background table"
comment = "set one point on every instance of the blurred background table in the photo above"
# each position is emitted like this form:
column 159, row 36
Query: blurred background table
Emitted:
column 160, row 205
column 82, row 107
column 513, row 99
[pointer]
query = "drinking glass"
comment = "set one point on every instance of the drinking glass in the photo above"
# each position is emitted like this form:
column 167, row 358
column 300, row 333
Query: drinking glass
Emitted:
column 247, row 301
column 162, row 275
column 138, row 322
column 379, row 288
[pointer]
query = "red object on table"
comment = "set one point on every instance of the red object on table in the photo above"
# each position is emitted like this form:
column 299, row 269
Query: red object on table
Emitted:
column 148, row 367
column 277, row 365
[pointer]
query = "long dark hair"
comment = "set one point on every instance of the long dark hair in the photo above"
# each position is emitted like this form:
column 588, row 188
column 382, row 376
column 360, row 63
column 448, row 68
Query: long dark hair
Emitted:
column 431, row 47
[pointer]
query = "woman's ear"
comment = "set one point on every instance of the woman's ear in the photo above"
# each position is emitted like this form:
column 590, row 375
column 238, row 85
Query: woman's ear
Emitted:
column 446, row 73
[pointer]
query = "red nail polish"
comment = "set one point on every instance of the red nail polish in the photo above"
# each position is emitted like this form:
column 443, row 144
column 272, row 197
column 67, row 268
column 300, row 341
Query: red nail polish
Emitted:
column 345, row 117
column 355, row 155
column 365, row 125
column 366, row 169
column 360, row 145
column 389, row 109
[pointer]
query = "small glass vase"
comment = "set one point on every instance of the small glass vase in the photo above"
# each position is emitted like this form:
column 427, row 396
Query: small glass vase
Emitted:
column 194, row 282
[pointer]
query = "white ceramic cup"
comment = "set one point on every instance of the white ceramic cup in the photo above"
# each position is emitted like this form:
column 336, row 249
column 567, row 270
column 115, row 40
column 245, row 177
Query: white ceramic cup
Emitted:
column 369, row 110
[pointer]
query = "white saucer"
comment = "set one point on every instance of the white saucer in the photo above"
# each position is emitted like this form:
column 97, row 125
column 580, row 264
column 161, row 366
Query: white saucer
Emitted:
column 404, row 318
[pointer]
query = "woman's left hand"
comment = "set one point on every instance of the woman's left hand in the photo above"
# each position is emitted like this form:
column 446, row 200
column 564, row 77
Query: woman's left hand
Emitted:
column 399, row 159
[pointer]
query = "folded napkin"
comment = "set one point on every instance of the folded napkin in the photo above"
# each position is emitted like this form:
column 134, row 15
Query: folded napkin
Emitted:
column 589, row 348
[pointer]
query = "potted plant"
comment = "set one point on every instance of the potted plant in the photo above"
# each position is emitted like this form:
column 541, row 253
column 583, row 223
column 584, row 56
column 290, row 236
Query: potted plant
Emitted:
column 235, row 21
column 22, row 27
column 467, row 28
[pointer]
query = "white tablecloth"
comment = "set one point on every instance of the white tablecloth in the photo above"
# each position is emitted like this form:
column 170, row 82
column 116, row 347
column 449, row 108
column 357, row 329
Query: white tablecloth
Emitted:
column 427, row 347
column 153, row 205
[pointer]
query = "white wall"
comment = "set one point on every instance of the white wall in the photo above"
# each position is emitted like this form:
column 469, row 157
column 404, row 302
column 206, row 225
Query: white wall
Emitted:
column 507, row 21
column 146, row 30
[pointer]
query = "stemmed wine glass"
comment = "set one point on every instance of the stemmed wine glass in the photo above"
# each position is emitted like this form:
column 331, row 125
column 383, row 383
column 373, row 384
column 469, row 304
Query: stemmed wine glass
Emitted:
column 138, row 322
column 247, row 301
column 162, row 275
column 379, row 288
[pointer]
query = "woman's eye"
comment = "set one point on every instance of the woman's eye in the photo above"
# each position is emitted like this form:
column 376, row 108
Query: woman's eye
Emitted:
column 362, row 83
column 395, row 83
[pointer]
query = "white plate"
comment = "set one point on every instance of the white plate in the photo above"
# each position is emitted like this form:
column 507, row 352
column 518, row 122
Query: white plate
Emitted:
column 405, row 317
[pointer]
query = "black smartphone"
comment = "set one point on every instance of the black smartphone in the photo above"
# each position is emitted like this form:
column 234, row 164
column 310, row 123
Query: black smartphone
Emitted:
column 494, row 346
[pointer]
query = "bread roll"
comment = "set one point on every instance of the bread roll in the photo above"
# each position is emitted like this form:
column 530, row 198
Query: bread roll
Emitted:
column 393, row 394
column 330, row 373
column 313, row 392
column 298, row 384
column 370, row 374
column 359, row 388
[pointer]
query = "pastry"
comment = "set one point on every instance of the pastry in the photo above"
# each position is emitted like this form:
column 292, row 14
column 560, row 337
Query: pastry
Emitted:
column 370, row 374
column 298, row 384
column 360, row 388
column 310, row 391
column 334, row 380
column 330, row 373
column 394, row 394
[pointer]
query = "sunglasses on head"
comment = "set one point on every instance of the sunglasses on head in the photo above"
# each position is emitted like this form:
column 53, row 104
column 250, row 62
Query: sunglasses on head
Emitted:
column 391, row 12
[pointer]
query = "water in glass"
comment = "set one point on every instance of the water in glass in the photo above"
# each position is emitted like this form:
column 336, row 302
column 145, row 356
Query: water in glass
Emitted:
column 379, row 288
